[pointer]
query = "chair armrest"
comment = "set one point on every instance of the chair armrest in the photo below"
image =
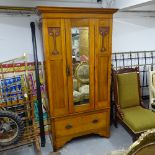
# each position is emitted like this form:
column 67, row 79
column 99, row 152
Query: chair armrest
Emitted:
column 119, row 111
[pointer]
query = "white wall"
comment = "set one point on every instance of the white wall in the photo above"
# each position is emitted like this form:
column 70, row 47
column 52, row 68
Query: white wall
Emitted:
column 72, row 3
column 129, row 3
column 129, row 34
column 64, row 3
column 133, row 33
column 15, row 37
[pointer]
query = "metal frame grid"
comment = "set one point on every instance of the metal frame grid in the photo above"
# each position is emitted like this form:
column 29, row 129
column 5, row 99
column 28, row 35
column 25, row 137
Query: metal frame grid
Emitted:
column 17, row 95
column 145, row 60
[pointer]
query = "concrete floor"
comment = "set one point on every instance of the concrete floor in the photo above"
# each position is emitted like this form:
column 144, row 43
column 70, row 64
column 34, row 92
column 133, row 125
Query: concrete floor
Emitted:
column 88, row 145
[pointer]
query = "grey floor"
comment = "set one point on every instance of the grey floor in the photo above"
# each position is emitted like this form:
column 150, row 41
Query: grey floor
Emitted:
column 88, row 145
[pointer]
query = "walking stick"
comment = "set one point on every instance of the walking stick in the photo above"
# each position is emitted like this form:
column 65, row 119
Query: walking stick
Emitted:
column 41, row 122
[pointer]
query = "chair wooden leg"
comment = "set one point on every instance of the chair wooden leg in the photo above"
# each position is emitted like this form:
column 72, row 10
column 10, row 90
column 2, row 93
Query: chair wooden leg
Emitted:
column 115, row 123
column 113, row 111
column 115, row 117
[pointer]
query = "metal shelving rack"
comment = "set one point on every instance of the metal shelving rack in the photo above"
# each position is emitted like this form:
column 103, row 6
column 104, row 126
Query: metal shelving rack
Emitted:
column 17, row 95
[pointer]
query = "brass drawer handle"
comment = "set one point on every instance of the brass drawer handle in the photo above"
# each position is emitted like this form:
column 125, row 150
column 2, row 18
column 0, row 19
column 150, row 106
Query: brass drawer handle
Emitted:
column 68, row 126
column 95, row 121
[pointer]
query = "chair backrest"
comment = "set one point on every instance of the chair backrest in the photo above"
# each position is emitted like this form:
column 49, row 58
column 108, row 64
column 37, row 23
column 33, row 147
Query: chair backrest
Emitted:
column 127, row 87
column 145, row 145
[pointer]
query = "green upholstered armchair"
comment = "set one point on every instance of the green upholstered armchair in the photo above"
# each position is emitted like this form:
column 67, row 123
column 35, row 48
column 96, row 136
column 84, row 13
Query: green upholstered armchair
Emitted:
column 145, row 145
column 130, row 111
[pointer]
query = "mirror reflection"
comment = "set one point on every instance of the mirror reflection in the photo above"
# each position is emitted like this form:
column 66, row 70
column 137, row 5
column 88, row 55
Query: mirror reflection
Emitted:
column 80, row 62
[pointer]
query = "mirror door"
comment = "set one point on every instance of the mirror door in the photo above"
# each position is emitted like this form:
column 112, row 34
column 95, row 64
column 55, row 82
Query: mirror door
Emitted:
column 80, row 62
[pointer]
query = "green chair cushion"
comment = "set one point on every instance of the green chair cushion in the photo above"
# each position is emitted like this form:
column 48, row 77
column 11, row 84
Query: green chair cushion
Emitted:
column 128, row 91
column 139, row 119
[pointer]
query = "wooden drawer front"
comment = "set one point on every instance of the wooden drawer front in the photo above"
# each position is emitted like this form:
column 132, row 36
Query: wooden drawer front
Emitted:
column 82, row 123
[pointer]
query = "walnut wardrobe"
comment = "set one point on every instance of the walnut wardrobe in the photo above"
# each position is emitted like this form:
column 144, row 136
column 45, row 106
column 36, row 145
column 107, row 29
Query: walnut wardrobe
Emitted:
column 77, row 49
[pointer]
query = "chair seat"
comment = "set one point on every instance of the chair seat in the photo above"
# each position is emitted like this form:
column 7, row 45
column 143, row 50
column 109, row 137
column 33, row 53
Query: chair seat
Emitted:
column 139, row 119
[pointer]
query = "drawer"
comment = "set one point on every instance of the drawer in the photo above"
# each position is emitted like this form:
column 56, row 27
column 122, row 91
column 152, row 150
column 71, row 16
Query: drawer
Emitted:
column 80, row 123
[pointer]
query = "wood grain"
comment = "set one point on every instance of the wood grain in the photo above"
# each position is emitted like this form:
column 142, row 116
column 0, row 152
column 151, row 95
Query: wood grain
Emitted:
column 56, row 68
column 67, row 120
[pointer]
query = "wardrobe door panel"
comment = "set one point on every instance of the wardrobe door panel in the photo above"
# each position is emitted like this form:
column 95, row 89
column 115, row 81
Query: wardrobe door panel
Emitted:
column 102, row 63
column 55, row 62
column 80, row 60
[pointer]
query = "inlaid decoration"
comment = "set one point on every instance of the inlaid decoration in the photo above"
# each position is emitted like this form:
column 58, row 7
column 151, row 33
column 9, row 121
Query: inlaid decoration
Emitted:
column 103, row 31
column 54, row 32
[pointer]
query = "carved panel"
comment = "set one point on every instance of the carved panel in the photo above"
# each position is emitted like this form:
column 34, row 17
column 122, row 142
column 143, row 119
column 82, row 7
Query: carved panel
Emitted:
column 54, row 32
column 103, row 31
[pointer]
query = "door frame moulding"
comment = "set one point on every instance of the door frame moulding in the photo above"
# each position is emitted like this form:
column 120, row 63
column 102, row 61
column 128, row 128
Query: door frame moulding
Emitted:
column 17, row 10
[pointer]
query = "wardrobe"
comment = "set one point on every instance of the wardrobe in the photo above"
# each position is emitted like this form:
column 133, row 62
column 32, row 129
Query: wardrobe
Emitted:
column 77, row 50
